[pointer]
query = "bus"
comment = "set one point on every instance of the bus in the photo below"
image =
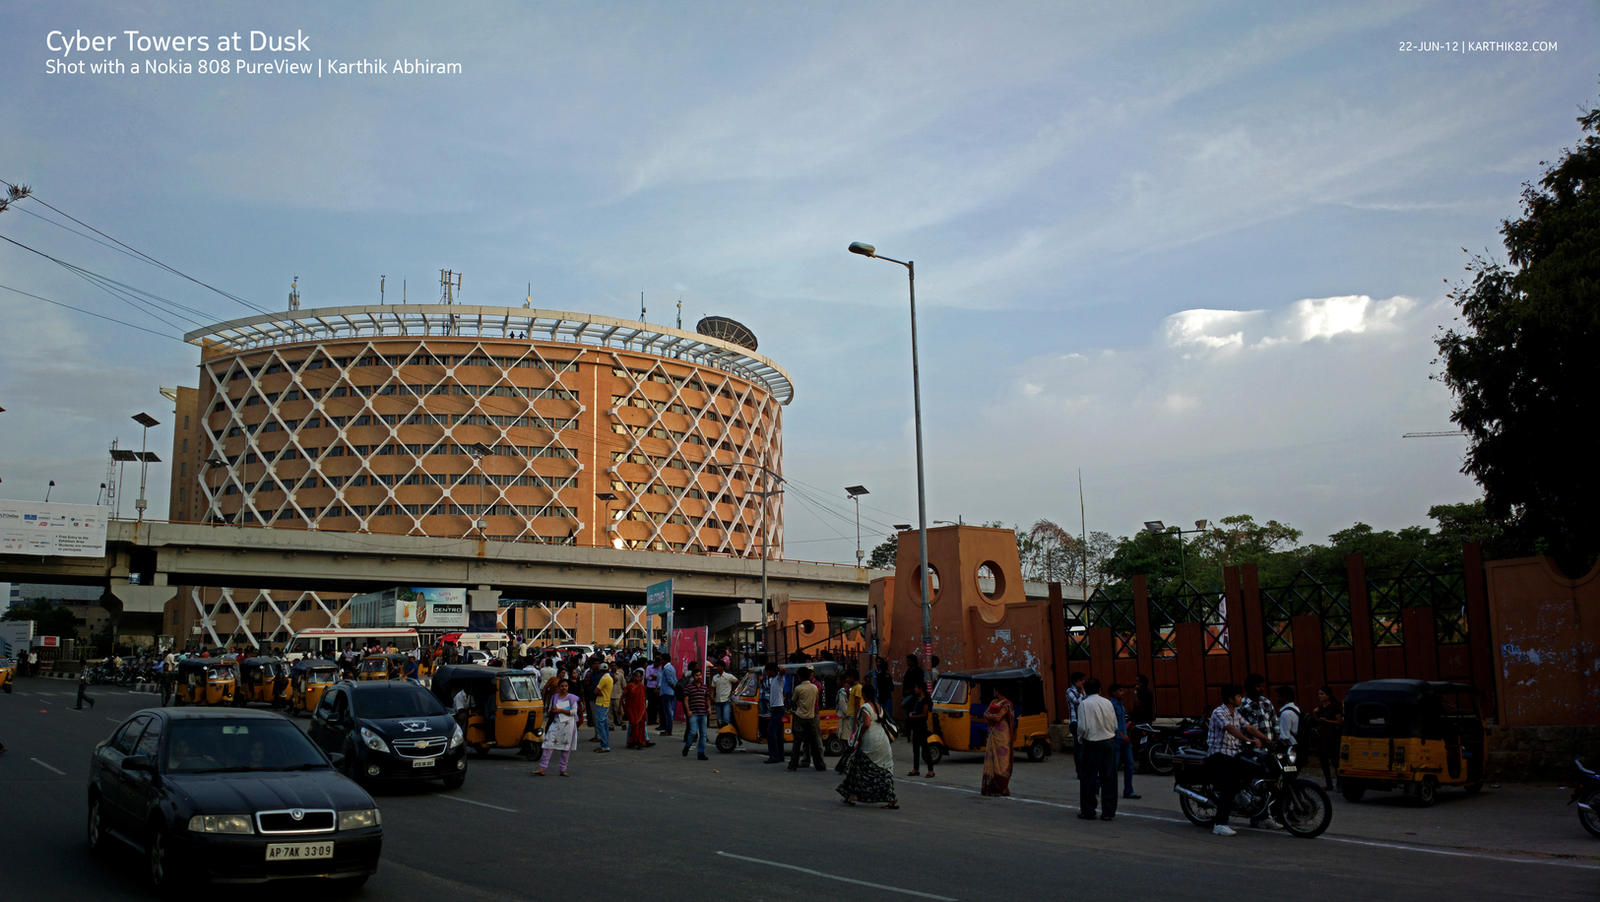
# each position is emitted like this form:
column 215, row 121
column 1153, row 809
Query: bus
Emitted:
column 327, row 642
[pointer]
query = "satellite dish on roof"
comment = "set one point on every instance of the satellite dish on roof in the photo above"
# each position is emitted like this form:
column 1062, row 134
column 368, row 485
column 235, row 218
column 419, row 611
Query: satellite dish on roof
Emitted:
column 729, row 330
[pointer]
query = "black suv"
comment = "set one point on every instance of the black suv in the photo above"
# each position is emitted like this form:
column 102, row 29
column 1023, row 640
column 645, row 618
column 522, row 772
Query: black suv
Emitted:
column 230, row 795
column 390, row 730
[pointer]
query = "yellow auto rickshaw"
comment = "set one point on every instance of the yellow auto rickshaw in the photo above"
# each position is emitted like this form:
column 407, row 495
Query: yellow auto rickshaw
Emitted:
column 387, row 666
column 1411, row 735
column 959, row 700
column 263, row 679
column 505, row 710
column 205, row 681
column 7, row 673
column 308, row 679
column 750, row 719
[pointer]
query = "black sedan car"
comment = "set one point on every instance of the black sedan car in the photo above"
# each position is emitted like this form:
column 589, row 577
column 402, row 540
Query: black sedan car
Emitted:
column 229, row 795
column 390, row 730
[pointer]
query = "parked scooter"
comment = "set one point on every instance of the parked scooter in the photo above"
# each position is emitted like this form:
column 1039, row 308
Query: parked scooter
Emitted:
column 1587, row 795
column 1155, row 746
column 1269, row 785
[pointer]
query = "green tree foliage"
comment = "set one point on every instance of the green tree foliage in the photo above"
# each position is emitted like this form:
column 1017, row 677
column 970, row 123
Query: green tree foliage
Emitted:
column 883, row 554
column 1522, row 364
column 48, row 619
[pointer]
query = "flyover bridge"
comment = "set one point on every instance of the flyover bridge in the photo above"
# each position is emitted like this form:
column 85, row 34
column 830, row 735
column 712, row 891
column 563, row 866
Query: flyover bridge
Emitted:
column 146, row 562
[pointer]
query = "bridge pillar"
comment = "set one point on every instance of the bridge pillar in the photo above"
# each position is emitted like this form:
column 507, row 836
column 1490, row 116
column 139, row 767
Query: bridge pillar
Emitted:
column 483, row 599
column 143, row 599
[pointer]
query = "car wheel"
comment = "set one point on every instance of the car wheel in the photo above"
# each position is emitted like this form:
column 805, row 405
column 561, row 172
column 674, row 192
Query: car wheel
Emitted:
column 1038, row 749
column 454, row 781
column 161, row 866
column 1428, row 791
column 97, row 835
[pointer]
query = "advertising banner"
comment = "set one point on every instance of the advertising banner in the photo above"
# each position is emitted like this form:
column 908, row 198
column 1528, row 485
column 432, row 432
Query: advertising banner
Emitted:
column 431, row 607
column 688, row 644
column 62, row 530
column 15, row 637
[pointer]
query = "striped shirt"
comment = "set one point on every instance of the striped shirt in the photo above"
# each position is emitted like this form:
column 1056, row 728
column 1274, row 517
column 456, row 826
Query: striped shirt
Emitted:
column 697, row 698
column 1218, row 740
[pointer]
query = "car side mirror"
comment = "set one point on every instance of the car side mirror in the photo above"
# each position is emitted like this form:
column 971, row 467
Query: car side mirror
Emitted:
column 143, row 763
column 337, row 759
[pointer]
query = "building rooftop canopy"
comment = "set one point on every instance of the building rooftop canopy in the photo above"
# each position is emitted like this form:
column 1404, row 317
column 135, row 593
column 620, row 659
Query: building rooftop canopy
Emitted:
column 490, row 322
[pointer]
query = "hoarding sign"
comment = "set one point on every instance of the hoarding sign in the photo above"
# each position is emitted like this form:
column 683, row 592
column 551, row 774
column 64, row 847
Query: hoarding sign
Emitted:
column 658, row 598
column 15, row 637
column 61, row 530
column 48, row 642
column 429, row 607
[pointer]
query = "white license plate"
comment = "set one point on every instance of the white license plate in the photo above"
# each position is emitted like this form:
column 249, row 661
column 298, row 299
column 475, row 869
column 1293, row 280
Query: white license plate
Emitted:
column 1290, row 769
column 422, row 762
column 298, row 851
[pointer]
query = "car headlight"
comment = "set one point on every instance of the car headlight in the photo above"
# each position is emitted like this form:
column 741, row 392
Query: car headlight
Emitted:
column 374, row 741
column 220, row 823
column 358, row 818
column 457, row 738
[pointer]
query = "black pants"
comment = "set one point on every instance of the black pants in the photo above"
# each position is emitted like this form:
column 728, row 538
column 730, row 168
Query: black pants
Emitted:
column 919, row 743
column 1099, row 766
column 807, row 742
column 1225, row 782
column 775, row 735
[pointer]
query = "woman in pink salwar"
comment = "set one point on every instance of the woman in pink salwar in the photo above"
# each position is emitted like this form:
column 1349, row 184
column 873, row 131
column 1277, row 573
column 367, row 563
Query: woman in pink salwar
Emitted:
column 997, row 759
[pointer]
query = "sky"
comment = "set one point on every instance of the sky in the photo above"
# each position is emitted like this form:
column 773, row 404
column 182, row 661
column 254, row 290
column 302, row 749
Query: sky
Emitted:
column 1198, row 252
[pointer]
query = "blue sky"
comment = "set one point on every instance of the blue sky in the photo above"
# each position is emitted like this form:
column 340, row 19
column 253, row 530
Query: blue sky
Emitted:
column 1199, row 251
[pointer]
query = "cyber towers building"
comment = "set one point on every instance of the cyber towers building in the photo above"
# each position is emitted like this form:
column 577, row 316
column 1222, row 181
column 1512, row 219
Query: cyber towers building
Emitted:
column 506, row 423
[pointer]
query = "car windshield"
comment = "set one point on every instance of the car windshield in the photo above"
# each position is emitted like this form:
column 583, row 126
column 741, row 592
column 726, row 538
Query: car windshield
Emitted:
column 399, row 700
column 950, row 692
column 218, row 745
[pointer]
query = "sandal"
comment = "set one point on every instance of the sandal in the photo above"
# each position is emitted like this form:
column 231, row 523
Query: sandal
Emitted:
column 930, row 775
column 892, row 805
column 539, row 772
column 915, row 773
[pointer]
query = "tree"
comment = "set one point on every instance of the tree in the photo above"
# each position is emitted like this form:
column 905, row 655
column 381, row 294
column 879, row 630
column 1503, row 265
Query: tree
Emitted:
column 1048, row 552
column 1522, row 365
column 884, row 553
column 49, row 619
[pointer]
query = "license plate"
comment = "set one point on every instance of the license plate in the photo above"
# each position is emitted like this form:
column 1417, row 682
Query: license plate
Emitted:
column 421, row 762
column 1290, row 769
column 298, row 851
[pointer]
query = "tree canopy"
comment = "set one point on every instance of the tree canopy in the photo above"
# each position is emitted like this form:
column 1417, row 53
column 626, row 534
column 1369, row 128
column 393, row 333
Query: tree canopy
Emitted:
column 1522, row 366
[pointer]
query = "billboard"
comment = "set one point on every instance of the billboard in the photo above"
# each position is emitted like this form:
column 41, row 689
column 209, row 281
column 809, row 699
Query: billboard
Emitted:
column 15, row 637
column 423, row 607
column 61, row 530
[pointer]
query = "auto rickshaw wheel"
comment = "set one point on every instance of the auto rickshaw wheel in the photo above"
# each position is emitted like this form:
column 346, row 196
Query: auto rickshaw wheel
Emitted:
column 1353, row 793
column 727, row 742
column 482, row 751
column 1428, row 790
column 1038, row 749
column 934, row 753
column 834, row 746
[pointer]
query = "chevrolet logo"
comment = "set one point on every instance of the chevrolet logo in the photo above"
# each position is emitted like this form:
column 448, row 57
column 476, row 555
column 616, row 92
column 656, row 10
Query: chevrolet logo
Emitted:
column 422, row 744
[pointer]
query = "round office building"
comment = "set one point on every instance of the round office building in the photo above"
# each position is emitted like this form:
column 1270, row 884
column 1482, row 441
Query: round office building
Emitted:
column 508, row 423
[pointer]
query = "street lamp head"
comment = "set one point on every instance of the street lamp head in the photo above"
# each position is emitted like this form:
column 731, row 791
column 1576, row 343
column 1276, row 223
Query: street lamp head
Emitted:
column 902, row 526
column 856, row 491
column 1201, row 524
column 145, row 420
column 862, row 248
column 1155, row 526
column 605, row 496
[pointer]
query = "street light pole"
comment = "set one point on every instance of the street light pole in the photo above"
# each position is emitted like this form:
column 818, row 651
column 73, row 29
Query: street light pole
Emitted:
column 855, row 492
column 145, row 457
column 867, row 250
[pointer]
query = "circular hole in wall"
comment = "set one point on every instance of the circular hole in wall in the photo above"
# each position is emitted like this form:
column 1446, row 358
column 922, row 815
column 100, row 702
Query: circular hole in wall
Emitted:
column 933, row 583
column 991, row 581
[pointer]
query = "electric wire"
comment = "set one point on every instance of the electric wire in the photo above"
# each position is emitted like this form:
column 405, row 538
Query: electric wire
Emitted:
column 94, row 314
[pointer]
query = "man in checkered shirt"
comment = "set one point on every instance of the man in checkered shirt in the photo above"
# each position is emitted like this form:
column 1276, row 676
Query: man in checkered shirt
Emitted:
column 1256, row 711
column 1224, row 733
column 1074, row 699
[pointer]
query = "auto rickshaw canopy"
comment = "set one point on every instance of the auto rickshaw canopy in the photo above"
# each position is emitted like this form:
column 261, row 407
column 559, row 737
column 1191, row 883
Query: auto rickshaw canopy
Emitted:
column 1398, row 708
column 204, row 665
column 1022, row 685
column 477, row 679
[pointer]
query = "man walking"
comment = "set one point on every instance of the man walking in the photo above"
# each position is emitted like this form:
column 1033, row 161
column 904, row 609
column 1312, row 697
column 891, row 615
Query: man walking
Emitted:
column 83, row 691
column 803, row 716
column 697, row 704
column 669, row 694
column 1097, row 730
column 602, row 708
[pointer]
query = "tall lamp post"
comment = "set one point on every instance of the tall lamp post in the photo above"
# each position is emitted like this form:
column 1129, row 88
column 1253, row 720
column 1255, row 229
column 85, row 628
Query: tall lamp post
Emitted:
column 867, row 250
column 1180, row 532
column 855, row 492
column 146, row 458
column 479, row 451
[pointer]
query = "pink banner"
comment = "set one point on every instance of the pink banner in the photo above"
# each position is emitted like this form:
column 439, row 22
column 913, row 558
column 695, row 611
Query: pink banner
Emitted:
column 688, row 645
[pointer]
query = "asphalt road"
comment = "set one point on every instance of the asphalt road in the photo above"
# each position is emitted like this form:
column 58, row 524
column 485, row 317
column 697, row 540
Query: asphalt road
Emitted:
column 633, row 823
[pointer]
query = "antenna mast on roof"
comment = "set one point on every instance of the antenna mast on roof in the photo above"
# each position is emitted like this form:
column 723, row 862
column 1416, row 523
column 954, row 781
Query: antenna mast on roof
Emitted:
column 641, row 306
column 450, row 288
column 294, row 294
column 680, row 311
column 381, row 280
column 528, row 301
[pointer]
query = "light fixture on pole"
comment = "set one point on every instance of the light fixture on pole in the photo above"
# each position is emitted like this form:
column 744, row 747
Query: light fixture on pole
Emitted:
column 609, row 497
column 479, row 451
column 101, row 495
column 867, row 250
column 47, row 490
column 146, row 458
column 1159, row 527
column 855, row 492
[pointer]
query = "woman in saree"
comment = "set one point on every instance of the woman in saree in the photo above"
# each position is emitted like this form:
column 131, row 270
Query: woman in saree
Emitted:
column 635, row 707
column 870, row 775
column 997, row 760
column 561, row 727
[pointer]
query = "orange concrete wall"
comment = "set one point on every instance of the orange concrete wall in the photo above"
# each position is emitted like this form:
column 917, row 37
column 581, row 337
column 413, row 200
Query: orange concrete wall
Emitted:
column 1546, row 643
column 974, row 625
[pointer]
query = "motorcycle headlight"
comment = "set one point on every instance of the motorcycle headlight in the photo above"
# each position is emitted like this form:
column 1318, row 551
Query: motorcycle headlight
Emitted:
column 1292, row 754
column 358, row 818
column 373, row 740
column 457, row 737
column 220, row 823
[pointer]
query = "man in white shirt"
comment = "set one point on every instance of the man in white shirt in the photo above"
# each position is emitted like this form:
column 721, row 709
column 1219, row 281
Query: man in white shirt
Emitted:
column 1097, row 730
column 1288, row 716
column 722, row 685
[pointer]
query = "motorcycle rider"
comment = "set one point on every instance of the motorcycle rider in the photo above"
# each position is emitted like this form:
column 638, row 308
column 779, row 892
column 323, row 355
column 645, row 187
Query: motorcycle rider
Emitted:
column 1257, row 711
column 1224, row 735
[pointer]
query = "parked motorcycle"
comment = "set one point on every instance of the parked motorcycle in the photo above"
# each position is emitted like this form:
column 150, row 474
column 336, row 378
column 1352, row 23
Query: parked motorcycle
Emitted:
column 1587, row 795
column 1269, row 785
column 1155, row 745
